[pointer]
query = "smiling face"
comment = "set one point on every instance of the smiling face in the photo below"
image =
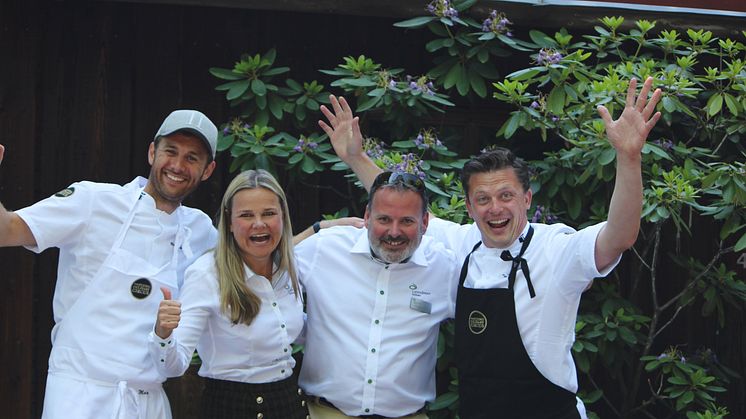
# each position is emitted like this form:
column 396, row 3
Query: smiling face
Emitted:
column 256, row 224
column 177, row 166
column 498, row 204
column 395, row 224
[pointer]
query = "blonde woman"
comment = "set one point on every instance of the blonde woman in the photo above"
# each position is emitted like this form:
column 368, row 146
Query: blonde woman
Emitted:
column 241, row 307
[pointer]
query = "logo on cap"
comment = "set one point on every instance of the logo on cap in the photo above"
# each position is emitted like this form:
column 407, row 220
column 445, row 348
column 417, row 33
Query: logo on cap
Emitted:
column 477, row 322
column 141, row 288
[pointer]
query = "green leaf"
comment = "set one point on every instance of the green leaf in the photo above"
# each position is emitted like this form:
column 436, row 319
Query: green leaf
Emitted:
column 295, row 158
column 741, row 244
column 308, row 165
column 541, row 39
column 732, row 104
column 714, row 104
column 275, row 106
column 443, row 401
column 454, row 74
column 607, row 156
column 275, row 71
column 462, row 83
column 258, row 87
column 237, row 90
column 415, row 22
column 556, row 101
column 225, row 74
column 477, row 84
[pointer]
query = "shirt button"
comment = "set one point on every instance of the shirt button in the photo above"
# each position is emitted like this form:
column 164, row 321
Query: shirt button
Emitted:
column 370, row 381
column 285, row 350
column 282, row 326
column 367, row 410
column 274, row 304
column 259, row 415
column 377, row 321
column 380, row 292
column 282, row 372
column 259, row 400
column 373, row 350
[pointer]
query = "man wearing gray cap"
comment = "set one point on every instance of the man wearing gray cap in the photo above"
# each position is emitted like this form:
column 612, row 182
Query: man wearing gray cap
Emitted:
column 118, row 246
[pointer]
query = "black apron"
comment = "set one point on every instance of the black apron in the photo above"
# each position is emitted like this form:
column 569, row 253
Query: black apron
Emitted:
column 497, row 379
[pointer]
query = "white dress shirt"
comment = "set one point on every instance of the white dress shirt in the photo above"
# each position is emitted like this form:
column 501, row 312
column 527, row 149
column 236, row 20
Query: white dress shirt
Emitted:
column 372, row 328
column 257, row 353
column 561, row 263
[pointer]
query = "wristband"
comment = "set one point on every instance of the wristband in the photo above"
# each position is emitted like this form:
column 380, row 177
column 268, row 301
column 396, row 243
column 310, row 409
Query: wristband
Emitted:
column 316, row 227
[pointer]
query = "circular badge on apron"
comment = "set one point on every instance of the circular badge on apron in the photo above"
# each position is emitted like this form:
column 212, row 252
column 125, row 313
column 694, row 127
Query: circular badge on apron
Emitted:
column 477, row 322
column 141, row 288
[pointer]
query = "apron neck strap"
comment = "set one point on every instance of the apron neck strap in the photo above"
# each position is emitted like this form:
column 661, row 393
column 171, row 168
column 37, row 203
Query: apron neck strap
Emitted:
column 519, row 261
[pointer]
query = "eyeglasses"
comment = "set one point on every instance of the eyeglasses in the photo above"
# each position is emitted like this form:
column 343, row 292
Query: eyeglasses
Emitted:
column 402, row 178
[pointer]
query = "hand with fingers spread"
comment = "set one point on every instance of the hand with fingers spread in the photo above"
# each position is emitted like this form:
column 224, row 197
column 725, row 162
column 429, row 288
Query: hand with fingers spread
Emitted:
column 343, row 129
column 628, row 133
column 169, row 314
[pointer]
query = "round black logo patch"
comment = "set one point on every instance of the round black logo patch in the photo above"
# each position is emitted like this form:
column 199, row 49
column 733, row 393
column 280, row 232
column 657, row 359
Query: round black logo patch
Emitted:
column 141, row 288
column 65, row 193
column 477, row 322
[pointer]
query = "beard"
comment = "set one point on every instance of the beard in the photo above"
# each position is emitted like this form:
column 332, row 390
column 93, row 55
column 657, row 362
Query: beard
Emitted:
column 377, row 245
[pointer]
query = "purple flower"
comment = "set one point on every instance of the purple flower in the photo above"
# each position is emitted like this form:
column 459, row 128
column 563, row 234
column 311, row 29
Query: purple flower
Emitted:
column 534, row 105
column 298, row 148
column 441, row 8
column 392, row 84
column 496, row 23
column 226, row 130
column 414, row 86
column 662, row 356
column 555, row 118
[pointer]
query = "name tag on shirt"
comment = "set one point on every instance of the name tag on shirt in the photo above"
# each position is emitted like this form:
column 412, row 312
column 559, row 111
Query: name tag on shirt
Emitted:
column 420, row 305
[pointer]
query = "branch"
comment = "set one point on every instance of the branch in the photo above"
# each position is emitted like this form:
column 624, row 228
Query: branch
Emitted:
column 691, row 284
column 654, row 319
column 603, row 396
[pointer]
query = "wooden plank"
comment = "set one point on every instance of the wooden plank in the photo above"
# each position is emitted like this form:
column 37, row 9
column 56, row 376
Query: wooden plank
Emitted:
column 19, row 53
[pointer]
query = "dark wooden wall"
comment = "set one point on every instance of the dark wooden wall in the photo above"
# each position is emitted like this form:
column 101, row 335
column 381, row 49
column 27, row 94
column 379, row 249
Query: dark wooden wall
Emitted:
column 83, row 87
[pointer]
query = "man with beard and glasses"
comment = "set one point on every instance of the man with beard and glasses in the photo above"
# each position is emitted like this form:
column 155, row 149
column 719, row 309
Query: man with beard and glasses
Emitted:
column 118, row 245
column 520, row 283
column 375, row 300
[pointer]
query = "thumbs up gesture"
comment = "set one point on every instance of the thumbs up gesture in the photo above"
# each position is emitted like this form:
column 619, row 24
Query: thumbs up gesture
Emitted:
column 169, row 314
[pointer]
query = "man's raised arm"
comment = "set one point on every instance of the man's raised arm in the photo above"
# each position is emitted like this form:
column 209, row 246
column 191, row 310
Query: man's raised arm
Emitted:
column 13, row 230
column 344, row 132
column 627, row 135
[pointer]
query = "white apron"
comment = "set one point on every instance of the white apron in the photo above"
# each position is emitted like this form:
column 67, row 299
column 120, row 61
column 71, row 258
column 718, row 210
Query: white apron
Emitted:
column 101, row 344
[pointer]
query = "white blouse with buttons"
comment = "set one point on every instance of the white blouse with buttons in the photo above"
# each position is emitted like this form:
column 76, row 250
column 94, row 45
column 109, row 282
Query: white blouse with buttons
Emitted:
column 258, row 353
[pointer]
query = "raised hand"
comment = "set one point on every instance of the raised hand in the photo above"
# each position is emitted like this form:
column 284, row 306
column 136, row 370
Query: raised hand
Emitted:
column 343, row 129
column 628, row 133
column 169, row 314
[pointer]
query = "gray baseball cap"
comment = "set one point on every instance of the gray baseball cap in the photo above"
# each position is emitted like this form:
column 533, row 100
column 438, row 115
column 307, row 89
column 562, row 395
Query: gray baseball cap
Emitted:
column 193, row 121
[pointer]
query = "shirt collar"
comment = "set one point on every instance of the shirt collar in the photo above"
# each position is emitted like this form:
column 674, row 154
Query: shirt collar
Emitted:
column 362, row 247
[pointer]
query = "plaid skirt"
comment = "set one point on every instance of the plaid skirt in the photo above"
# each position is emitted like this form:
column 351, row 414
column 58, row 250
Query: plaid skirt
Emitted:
column 233, row 400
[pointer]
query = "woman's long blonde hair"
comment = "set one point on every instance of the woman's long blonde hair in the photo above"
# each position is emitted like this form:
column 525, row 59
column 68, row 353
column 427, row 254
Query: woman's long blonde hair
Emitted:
column 237, row 301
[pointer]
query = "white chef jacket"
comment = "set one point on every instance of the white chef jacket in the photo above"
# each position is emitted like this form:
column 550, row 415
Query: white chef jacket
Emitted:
column 83, row 222
column 83, row 226
column 562, row 264
column 372, row 328
column 257, row 353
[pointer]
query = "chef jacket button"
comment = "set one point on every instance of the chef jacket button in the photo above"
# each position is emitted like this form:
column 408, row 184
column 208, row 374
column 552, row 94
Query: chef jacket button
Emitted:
column 259, row 415
column 259, row 400
column 302, row 402
column 300, row 392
